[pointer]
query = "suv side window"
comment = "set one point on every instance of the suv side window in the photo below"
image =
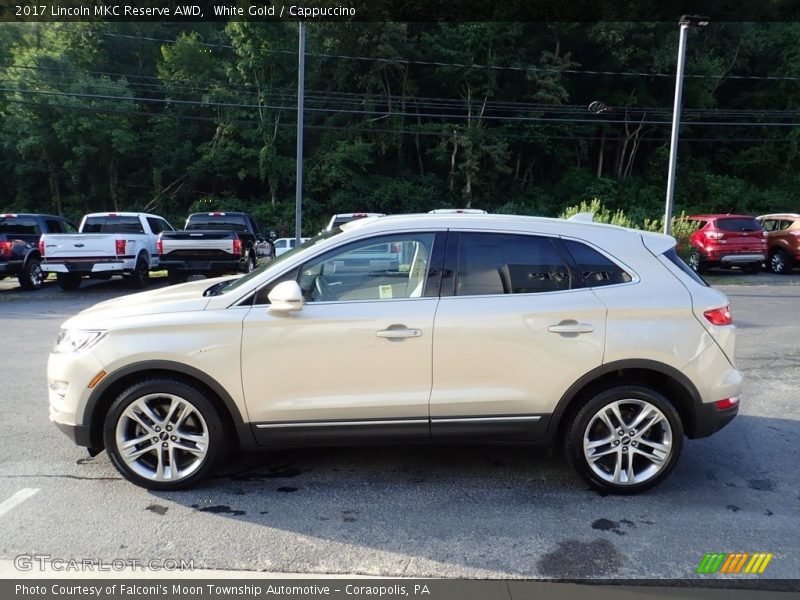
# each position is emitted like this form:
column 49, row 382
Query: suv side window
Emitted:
column 500, row 263
column 389, row 267
column 595, row 268
column 770, row 224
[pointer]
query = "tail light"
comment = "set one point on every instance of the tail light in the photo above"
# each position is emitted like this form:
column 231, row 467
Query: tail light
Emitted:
column 5, row 249
column 715, row 235
column 719, row 316
column 159, row 246
column 41, row 247
column 120, row 246
column 237, row 246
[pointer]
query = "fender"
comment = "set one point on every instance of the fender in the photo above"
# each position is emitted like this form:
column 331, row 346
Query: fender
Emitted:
column 165, row 365
column 640, row 364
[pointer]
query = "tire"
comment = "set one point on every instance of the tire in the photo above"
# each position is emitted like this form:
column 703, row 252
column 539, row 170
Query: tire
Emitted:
column 779, row 263
column 31, row 277
column 613, row 470
column 173, row 430
column 696, row 262
column 140, row 276
column 175, row 277
column 68, row 281
column 251, row 262
column 752, row 268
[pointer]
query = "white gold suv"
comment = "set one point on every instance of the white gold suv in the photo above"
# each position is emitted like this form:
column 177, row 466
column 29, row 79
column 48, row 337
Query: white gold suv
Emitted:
column 484, row 328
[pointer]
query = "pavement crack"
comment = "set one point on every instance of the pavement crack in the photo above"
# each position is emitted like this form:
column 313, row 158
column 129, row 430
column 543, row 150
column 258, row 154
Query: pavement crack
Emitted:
column 80, row 477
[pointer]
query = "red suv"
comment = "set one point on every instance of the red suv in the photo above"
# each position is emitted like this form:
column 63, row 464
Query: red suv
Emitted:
column 783, row 236
column 726, row 241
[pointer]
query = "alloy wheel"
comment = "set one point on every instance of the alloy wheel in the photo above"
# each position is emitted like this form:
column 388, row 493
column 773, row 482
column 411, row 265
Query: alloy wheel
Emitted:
column 627, row 442
column 162, row 437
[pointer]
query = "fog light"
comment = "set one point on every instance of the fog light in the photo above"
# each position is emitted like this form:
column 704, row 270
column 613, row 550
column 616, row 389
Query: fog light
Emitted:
column 58, row 391
column 726, row 403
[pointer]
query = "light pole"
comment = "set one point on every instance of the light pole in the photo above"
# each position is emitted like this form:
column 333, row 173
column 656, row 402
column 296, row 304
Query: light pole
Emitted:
column 685, row 22
column 301, row 76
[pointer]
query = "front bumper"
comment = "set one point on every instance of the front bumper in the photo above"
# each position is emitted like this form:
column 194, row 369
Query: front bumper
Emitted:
column 80, row 434
column 69, row 375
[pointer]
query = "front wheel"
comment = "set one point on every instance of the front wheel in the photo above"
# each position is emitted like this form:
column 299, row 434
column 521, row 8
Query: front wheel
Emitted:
column 68, row 281
column 163, row 434
column 779, row 263
column 625, row 440
column 32, row 277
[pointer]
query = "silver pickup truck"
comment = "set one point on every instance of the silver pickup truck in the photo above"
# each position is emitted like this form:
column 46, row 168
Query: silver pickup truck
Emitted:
column 107, row 244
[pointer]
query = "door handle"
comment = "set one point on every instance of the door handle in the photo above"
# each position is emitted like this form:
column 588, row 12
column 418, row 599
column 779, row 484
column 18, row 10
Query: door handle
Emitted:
column 571, row 327
column 396, row 333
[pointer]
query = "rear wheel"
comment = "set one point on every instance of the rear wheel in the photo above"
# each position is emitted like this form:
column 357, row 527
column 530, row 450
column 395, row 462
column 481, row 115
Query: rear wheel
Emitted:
column 68, row 281
column 175, row 277
column 696, row 261
column 140, row 276
column 625, row 440
column 163, row 434
column 251, row 262
column 31, row 277
column 779, row 262
column 752, row 268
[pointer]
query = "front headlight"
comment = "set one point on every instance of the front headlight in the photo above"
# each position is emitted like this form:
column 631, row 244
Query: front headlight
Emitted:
column 75, row 340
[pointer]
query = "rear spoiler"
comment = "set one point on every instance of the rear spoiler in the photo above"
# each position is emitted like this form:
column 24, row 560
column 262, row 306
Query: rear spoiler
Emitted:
column 657, row 243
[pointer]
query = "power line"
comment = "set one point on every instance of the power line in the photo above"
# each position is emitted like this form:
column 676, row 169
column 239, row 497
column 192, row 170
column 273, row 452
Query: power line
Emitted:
column 351, row 128
column 515, row 68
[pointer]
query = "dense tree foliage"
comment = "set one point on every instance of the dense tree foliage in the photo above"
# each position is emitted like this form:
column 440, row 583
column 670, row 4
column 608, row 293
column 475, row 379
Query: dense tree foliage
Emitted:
column 399, row 117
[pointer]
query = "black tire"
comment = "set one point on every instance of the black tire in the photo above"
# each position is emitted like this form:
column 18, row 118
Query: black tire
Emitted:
column 175, row 277
column 159, row 394
column 752, row 268
column 32, row 277
column 588, row 425
column 250, row 261
column 779, row 262
column 140, row 276
column 68, row 281
column 696, row 262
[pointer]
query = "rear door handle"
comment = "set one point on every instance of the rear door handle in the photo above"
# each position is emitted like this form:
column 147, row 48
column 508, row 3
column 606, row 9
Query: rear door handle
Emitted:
column 395, row 333
column 571, row 327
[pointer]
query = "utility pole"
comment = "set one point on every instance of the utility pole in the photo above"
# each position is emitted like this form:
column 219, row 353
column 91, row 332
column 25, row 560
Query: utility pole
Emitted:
column 685, row 22
column 301, row 75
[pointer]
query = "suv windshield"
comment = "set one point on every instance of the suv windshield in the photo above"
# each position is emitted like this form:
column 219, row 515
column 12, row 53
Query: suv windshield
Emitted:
column 230, row 286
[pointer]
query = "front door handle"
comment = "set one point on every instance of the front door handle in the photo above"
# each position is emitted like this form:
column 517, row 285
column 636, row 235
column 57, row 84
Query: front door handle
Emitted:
column 571, row 327
column 398, row 332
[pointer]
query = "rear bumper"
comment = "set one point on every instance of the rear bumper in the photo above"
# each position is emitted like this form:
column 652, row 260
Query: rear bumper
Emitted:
column 738, row 259
column 708, row 419
column 86, row 268
column 199, row 266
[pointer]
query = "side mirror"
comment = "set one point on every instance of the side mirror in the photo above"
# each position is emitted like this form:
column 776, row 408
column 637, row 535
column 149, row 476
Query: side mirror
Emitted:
column 286, row 297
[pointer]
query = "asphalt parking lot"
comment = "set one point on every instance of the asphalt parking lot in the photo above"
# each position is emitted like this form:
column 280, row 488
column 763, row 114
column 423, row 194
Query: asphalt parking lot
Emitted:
column 477, row 512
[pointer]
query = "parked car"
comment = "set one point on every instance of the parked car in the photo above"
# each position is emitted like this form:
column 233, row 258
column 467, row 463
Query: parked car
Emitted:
column 538, row 328
column 283, row 245
column 19, row 246
column 212, row 244
column 342, row 218
column 107, row 244
column 783, row 241
column 727, row 241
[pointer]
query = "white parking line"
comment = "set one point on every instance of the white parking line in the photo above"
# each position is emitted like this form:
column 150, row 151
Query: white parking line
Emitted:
column 17, row 499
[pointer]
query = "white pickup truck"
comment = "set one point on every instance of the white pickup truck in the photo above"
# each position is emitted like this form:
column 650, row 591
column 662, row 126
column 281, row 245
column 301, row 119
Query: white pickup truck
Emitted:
column 109, row 243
